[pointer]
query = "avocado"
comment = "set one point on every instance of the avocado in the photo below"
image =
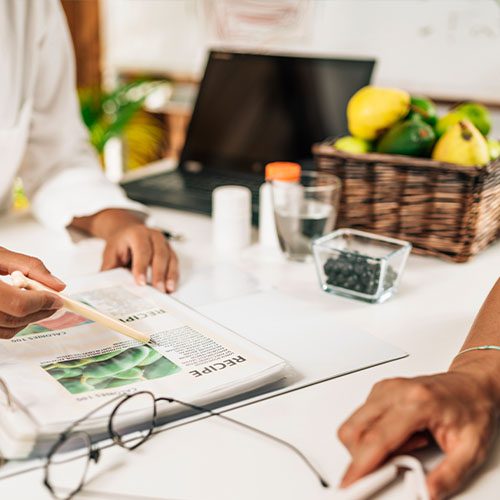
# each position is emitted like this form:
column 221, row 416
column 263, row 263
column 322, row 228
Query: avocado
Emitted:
column 425, row 108
column 413, row 137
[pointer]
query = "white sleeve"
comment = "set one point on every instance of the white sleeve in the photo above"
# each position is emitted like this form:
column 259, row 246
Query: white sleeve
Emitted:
column 61, row 172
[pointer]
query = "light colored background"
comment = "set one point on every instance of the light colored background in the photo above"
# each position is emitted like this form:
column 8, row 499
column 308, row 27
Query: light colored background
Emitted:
column 443, row 48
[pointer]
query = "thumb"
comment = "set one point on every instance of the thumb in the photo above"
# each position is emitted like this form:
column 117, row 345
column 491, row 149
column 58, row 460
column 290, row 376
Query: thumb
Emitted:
column 452, row 472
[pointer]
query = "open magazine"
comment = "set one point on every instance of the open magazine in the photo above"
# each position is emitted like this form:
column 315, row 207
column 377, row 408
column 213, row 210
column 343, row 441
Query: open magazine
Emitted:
column 59, row 369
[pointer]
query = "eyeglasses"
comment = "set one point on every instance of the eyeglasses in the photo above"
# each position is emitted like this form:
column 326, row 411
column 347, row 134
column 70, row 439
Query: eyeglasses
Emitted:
column 68, row 460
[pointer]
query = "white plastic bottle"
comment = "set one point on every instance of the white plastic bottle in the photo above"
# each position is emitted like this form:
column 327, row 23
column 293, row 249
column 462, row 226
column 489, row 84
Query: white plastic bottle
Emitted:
column 279, row 171
column 268, row 237
column 231, row 219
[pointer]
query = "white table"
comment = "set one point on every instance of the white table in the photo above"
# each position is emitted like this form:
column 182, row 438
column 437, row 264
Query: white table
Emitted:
column 210, row 459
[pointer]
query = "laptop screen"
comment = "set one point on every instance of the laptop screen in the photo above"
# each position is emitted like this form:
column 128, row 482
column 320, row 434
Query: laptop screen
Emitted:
column 255, row 108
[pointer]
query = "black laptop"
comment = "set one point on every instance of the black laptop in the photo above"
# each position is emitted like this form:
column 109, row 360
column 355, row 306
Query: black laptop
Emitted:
column 252, row 109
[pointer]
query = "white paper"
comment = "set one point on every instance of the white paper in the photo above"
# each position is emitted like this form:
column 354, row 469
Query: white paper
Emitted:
column 61, row 368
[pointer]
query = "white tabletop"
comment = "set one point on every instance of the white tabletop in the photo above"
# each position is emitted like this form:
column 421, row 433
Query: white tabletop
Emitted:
column 429, row 318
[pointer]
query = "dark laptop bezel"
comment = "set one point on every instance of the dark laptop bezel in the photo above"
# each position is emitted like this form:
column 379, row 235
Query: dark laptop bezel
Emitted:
column 189, row 166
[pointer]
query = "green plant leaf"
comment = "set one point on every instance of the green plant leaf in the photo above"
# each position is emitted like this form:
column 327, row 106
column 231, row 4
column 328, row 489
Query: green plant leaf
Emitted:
column 111, row 114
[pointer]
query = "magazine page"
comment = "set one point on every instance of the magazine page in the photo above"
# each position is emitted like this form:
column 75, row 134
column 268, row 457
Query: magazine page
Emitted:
column 61, row 368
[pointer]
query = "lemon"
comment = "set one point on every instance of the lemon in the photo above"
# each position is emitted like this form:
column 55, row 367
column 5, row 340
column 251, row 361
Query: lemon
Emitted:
column 372, row 110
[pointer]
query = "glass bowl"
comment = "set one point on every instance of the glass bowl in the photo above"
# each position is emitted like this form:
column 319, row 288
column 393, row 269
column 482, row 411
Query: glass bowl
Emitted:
column 360, row 265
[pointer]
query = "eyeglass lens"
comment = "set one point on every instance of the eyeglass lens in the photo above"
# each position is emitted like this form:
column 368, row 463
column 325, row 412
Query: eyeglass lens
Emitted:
column 123, row 422
column 68, row 465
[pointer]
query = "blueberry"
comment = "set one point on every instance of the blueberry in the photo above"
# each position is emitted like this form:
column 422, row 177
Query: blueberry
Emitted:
column 359, row 269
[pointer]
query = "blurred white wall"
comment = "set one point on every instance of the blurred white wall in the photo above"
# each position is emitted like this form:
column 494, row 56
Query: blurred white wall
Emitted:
column 443, row 48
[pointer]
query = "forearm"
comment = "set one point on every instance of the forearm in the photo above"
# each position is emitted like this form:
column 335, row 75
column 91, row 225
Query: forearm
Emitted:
column 105, row 223
column 484, row 365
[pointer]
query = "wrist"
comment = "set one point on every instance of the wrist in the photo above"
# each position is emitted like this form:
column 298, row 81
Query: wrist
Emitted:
column 106, row 223
column 482, row 368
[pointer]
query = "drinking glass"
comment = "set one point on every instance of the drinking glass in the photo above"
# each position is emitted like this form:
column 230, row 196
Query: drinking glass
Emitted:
column 304, row 211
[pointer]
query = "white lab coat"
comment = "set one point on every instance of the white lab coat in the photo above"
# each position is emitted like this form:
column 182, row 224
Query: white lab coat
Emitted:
column 42, row 137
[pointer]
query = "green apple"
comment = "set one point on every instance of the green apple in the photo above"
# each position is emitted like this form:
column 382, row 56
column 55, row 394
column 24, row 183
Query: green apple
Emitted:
column 494, row 148
column 478, row 115
column 351, row 144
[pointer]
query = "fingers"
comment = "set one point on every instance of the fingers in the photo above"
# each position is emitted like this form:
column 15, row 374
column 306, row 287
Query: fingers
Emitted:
column 173, row 272
column 395, row 410
column 455, row 468
column 160, row 263
column 8, row 321
column 416, row 442
column 8, row 333
column 460, row 417
column 378, row 401
column 30, row 267
column 142, row 253
column 18, row 308
column 164, row 264
column 21, row 303
column 386, row 435
column 353, row 428
column 110, row 258
column 143, row 247
column 10, row 325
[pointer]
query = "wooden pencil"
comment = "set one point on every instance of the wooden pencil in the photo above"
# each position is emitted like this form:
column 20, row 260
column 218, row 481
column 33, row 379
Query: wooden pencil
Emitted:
column 21, row 281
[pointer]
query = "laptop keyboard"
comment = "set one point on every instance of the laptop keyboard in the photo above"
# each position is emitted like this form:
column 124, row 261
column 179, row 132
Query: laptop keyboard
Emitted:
column 205, row 182
column 191, row 192
column 212, row 181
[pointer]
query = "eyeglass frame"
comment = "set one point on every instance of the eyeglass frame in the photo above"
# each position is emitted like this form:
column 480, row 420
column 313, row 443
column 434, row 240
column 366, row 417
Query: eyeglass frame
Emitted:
column 94, row 451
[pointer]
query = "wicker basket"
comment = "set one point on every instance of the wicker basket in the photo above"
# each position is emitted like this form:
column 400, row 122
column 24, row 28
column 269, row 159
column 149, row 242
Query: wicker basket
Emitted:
column 445, row 210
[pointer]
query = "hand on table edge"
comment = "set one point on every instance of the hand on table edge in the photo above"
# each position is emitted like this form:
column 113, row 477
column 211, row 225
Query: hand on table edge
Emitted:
column 129, row 242
column 458, row 410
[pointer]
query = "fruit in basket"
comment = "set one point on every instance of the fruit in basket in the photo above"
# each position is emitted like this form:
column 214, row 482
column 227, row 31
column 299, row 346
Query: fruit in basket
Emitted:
column 462, row 144
column 372, row 110
column 447, row 121
column 413, row 137
column 476, row 113
column 351, row 144
column 493, row 148
column 425, row 108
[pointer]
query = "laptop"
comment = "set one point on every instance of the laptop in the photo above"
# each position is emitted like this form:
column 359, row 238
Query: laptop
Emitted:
column 252, row 109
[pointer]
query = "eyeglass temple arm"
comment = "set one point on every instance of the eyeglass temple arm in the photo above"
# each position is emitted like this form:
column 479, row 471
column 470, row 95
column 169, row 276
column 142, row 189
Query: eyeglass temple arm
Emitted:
column 288, row 445
column 7, row 393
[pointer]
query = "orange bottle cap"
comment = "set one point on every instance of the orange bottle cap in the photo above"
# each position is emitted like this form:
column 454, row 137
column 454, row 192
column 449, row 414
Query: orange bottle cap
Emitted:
column 283, row 171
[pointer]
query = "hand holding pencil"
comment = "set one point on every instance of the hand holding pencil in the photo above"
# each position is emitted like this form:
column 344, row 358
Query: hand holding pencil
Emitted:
column 17, row 307
column 19, row 280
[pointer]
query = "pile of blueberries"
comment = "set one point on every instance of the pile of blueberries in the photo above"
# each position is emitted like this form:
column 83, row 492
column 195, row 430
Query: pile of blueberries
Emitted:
column 357, row 272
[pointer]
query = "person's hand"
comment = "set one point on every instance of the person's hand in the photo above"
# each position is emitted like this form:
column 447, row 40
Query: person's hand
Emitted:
column 129, row 243
column 19, row 308
column 402, row 415
column 141, row 247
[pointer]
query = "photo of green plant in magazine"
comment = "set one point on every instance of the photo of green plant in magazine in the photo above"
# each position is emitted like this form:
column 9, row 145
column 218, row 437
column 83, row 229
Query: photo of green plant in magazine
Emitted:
column 110, row 370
